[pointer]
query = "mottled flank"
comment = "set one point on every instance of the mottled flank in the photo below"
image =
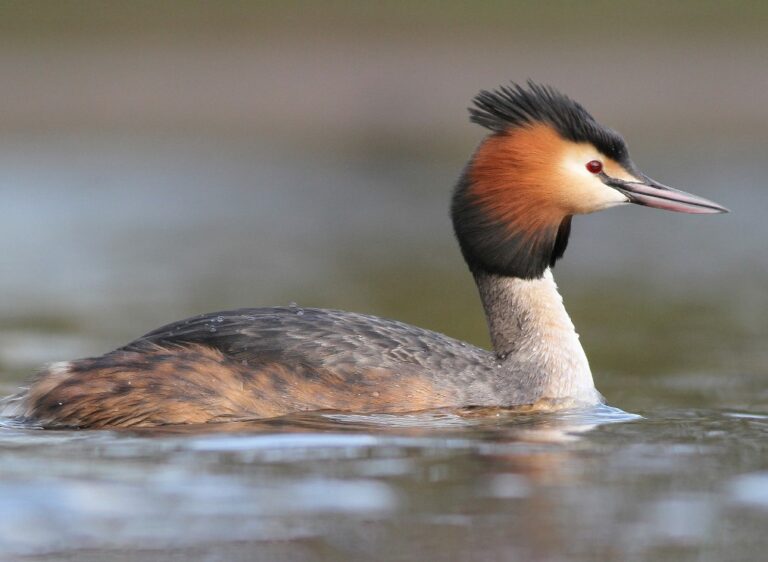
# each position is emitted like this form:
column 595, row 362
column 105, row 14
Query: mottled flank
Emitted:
column 198, row 384
column 251, row 364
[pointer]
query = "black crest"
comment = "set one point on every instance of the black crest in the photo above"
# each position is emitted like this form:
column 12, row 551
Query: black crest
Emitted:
column 513, row 106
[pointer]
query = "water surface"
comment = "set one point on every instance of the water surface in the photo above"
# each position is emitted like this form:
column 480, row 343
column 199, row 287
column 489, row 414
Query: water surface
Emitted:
column 156, row 163
column 116, row 235
column 583, row 485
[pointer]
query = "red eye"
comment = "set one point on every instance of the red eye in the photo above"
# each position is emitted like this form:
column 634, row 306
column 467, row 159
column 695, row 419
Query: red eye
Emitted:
column 595, row 166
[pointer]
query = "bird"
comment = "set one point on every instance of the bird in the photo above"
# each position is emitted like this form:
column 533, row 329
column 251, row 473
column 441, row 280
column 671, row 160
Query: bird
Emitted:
column 544, row 159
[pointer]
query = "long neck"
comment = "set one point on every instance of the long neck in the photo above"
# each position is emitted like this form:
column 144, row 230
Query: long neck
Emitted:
column 535, row 340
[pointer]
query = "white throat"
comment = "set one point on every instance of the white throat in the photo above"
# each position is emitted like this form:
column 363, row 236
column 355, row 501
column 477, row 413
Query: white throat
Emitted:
column 535, row 340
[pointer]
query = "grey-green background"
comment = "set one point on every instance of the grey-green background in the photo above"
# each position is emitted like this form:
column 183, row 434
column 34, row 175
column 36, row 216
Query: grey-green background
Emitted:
column 160, row 159
column 163, row 159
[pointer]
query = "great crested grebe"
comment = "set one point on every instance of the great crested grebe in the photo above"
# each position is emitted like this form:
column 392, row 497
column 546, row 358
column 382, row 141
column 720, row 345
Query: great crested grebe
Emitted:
column 545, row 160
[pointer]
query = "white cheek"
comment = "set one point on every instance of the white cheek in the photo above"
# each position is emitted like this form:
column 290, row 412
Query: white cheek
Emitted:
column 585, row 191
column 605, row 196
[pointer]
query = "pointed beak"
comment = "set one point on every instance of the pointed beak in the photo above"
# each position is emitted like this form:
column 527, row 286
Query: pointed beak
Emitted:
column 651, row 193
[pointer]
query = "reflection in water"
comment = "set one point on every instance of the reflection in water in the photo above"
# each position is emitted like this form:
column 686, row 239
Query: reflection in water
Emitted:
column 598, row 484
column 266, row 480
column 417, row 423
column 239, row 481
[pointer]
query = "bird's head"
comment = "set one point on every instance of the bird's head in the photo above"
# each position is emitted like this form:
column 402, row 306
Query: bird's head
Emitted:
column 545, row 160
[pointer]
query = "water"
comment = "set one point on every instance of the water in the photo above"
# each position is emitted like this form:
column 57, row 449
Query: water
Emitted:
column 158, row 163
column 117, row 235
column 598, row 484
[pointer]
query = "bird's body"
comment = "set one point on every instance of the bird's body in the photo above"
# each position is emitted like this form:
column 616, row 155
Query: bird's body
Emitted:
column 546, row 160
column 265, row 362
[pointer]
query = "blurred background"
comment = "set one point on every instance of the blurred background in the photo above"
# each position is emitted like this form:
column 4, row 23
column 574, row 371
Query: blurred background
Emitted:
column 161, row 159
